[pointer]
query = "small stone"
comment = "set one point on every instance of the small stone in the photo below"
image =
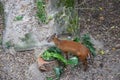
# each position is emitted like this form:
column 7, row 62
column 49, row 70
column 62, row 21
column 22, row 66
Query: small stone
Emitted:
column 107, row 51
column 113, row 49
column 101, row 18
column 117, row 46
column 88, row 19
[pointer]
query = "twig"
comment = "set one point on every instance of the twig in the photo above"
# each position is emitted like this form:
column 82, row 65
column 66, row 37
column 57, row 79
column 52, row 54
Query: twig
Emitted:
column 86, row 8
column 82, row 3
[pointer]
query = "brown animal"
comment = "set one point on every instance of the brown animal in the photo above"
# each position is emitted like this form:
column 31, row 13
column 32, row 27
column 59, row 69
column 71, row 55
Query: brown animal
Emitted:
column 75, row 48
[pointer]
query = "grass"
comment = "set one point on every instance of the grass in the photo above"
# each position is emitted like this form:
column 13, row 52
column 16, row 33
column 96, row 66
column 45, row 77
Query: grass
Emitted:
column 41, row 13
column 66, row 3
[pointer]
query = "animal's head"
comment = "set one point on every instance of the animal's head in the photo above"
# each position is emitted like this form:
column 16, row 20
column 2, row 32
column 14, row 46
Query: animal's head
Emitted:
column 53, row 37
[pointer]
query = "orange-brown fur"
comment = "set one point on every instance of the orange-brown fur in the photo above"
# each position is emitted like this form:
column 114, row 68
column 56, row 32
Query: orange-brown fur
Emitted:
column 75, row 48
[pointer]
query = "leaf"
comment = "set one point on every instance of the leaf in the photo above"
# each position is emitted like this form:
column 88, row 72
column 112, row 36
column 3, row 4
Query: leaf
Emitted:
column 49, row 78
column 58, row 72
column 53, row 53
column 76, row 39
column 102, row 52
column 73, row 61
column 47, row 56
column 60, row 58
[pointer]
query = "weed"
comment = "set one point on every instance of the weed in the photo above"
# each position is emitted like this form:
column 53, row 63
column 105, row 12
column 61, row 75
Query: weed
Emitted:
column 8, row 44
column 41, row 13
column 68, row 17
column 18, row 18
column 66, row 3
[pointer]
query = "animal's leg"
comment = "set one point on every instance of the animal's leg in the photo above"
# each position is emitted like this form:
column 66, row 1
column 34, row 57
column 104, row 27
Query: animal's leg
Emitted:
column 84, row 61
column 66, row 55
column 91, row 58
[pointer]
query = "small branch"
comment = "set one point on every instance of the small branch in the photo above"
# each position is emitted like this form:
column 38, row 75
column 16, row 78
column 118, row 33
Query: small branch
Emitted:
column 85, row 8
column 82, row 3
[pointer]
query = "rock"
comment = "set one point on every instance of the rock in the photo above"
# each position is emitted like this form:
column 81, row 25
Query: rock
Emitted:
column 117, row 46
column 46, row 65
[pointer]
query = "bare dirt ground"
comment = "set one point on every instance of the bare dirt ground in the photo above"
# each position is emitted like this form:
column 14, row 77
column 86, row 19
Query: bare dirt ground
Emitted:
column 103, row 23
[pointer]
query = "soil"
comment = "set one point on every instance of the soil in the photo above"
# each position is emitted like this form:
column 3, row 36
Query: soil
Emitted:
column 99, row 18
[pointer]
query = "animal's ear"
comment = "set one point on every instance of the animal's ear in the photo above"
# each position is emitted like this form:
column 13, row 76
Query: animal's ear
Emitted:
column 52, row 37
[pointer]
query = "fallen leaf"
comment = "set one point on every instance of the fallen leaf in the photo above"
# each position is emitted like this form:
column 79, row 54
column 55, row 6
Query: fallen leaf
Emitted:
column 101, row 8
column 102, row 52
column 113, row 49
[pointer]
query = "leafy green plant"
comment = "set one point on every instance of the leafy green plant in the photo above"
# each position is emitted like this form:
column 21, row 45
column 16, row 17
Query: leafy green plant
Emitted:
column 67, row 3
column 73, row 27
column 51, row 55
column 41, row 14
column 18, row 18
column 87, row 41
column 49, row 78
column 76, row 39
column 58, row 72
column 73, row 61
column 54, row 49
column 55, row 53
column 8, row 44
